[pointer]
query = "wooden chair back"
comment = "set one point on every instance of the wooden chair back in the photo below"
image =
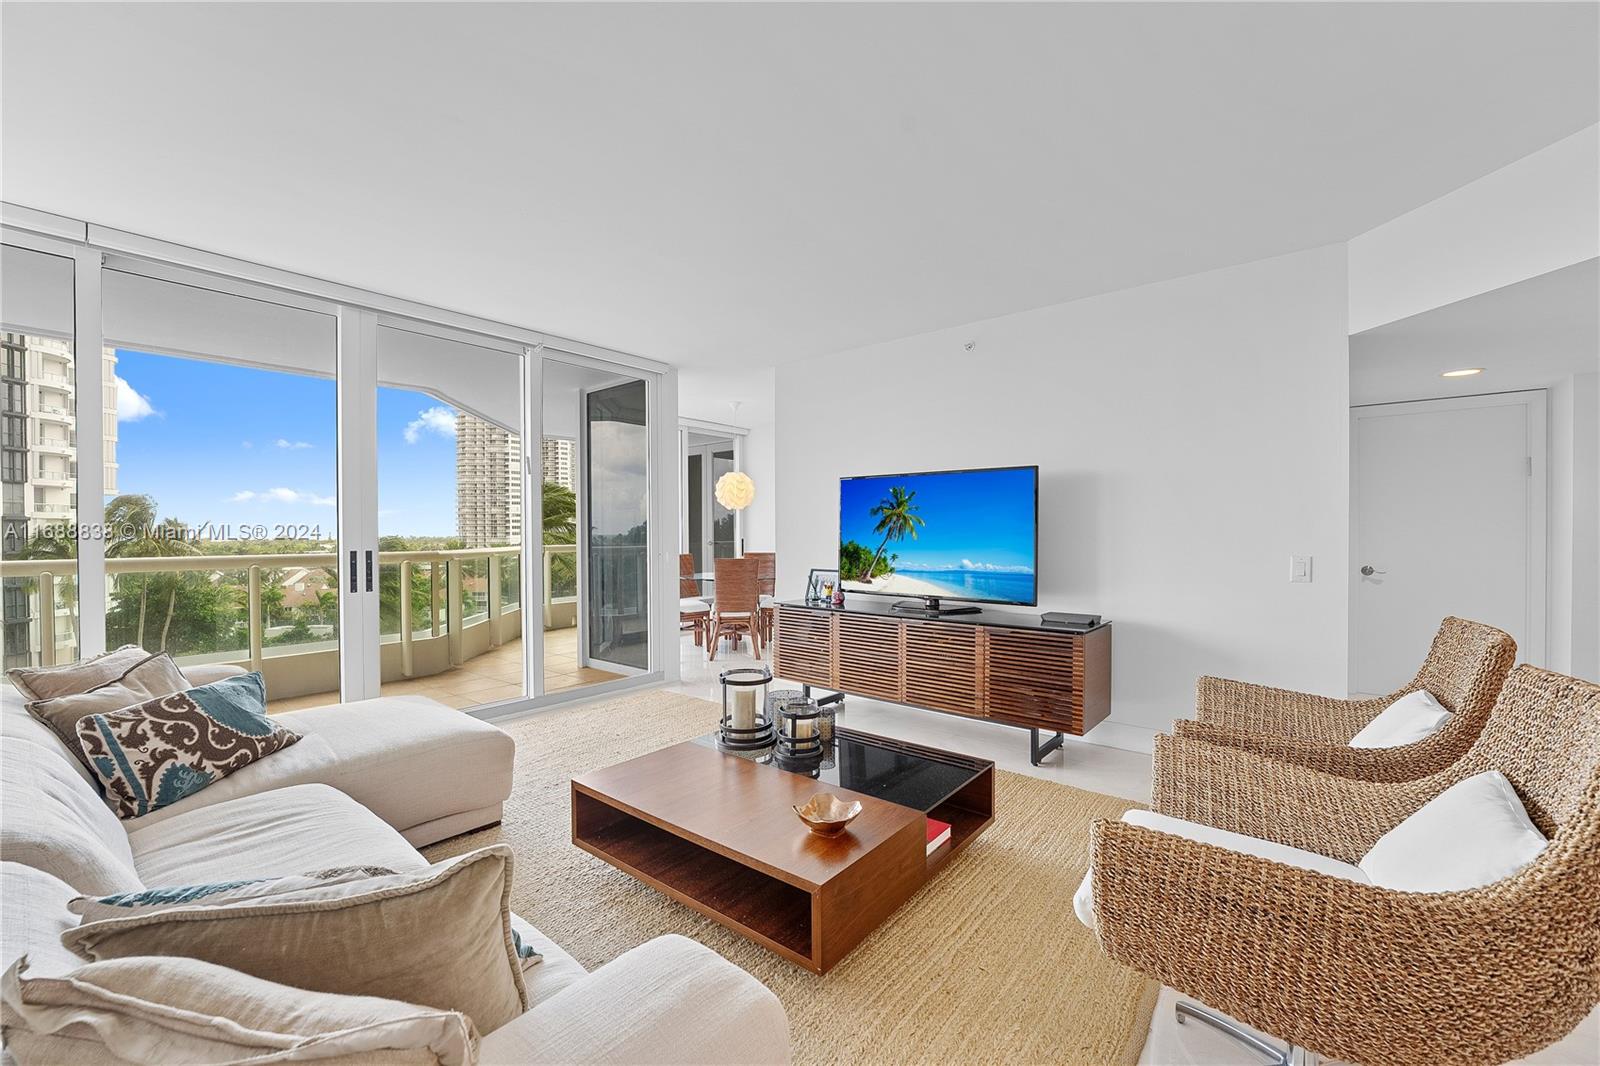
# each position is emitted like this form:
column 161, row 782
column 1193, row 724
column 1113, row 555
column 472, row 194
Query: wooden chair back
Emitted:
column 766, row 571
column 738, row 589
column 686, row 585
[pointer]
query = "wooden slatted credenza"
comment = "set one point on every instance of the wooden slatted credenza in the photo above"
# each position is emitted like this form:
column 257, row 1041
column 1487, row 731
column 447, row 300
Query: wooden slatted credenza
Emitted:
column 1001, row 667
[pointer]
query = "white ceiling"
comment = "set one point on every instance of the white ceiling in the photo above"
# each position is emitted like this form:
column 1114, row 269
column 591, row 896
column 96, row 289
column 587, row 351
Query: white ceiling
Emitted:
column 1528, row 335
column 728, row 185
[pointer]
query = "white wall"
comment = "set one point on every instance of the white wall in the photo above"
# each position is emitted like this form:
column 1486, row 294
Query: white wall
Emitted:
column 1539, row 214
column 706, row 395
column 1191, row 435
column 1575, row 526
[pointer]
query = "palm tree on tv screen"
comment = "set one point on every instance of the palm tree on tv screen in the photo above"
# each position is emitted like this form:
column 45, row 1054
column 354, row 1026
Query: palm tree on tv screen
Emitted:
column 897, row 519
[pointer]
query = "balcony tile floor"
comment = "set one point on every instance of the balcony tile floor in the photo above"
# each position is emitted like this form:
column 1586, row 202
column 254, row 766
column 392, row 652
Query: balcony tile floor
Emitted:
column 494, row 675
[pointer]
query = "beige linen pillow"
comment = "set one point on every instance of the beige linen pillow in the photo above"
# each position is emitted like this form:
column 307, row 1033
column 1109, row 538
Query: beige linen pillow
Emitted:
column 48, row 682
column 183, row 1011
column 154, row 676
column 439, row 937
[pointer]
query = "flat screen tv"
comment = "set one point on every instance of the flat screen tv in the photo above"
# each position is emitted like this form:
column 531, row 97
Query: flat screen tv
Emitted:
column 966, row 535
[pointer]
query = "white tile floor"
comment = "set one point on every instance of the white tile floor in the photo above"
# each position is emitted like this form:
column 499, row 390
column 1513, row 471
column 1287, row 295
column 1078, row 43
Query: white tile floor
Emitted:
column 1082, row 765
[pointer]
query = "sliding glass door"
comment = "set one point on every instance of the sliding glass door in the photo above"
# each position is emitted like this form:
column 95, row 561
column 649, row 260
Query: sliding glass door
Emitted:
column 38, row 459
column 450, row 517
column 222, row 518
column 248, row 470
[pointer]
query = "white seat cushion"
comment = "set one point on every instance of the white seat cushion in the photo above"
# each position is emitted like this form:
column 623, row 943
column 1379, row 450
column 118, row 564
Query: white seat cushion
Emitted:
column 1413, row 717
column 55, row 821
column 271, row 834
column 555, row 972
column 690, row 605
column 1474, row 833
column 33, row 915
column 307, row 762
column 409, row 759
column 1272, row 851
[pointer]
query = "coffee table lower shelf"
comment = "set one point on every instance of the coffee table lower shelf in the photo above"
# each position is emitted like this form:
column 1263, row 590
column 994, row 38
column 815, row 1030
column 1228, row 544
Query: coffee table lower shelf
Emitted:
column 764, row 908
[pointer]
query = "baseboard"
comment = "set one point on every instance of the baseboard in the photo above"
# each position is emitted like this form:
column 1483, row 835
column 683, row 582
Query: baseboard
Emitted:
column 1114, row 734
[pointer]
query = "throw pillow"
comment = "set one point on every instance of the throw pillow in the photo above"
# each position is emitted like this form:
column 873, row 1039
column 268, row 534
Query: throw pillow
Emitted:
column 439, row 936
column 185, row 1011
column 1413, row 717
column 160, row 751
column 48, row 682
column 223, row 893
column 1474, row 833
column 156, row 675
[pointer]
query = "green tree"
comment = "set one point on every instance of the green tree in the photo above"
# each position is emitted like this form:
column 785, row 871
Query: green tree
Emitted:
column 897, row 519
column 135, row 533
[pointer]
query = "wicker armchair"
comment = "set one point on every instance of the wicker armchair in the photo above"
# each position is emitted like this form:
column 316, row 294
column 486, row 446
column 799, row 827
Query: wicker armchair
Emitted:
column 1464, row 670
column 1353, row 970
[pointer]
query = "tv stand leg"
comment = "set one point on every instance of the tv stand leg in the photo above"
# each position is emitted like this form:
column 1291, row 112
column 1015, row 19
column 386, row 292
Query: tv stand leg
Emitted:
column 1037, row 751
column 837, row 697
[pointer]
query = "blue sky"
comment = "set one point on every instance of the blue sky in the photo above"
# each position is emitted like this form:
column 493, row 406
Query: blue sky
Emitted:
column 973, row 521
column 225, row 444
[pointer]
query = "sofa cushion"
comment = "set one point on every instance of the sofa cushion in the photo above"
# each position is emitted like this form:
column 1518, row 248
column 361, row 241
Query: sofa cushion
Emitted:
column 269, row 834
column 35, row 909
column 17, row 724
column 157, row 675
column 668, row 1001
column 48, row 682
column 1474, row 833
column 439, row 936
column 409, row 759
column 178, row 1010
column 54, row 821
column 1271, row 850
column 555, row 970
column 304, row 763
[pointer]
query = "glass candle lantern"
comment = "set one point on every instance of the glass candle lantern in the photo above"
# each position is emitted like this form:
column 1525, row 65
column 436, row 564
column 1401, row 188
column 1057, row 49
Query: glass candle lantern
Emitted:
column 799, row 738
column 745, row 725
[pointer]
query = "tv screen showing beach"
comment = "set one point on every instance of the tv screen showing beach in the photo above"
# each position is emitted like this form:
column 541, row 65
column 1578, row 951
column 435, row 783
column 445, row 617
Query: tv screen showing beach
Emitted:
column 960, row 534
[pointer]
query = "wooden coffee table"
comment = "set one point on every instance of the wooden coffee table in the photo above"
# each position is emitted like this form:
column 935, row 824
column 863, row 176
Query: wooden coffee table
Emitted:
column 716, row 832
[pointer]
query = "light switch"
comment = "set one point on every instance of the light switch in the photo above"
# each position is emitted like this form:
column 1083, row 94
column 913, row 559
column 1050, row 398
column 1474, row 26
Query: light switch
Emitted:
column 1300, row 569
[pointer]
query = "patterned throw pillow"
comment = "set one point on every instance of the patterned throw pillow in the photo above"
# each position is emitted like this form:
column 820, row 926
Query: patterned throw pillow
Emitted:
column 162, row 750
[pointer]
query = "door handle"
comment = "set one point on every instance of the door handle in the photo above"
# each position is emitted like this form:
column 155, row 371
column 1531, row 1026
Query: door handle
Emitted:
column 353, row 572
column 1367, row 571
column 369, row 570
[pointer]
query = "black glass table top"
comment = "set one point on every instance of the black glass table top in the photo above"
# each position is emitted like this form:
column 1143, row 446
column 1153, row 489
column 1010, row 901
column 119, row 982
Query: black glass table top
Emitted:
column 879, row 767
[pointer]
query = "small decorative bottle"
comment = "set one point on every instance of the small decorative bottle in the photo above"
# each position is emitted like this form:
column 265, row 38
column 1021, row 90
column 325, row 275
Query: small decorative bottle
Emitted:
column 838, row 591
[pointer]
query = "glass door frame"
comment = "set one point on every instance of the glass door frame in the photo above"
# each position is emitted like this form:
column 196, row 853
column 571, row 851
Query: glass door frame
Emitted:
column 738, row 435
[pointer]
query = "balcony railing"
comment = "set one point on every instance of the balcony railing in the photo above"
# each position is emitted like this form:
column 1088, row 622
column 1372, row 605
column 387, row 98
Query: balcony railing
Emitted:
column 445, row 614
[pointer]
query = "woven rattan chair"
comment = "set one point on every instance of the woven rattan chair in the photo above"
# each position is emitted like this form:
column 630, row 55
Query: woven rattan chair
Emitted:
column 738, row 606
column 694, row 613
column 1464, row 670
column 1353, row 970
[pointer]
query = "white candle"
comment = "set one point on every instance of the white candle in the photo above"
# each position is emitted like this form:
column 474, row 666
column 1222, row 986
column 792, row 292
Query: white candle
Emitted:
column 805, row 728
column 744, row 708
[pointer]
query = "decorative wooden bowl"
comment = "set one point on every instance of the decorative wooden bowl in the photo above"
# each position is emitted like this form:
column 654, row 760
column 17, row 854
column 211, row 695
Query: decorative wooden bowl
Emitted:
column 827, row 815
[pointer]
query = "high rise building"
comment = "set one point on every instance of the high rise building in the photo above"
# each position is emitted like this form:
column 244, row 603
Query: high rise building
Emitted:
column 557, row 461
column 488, row 483
column 39, row 470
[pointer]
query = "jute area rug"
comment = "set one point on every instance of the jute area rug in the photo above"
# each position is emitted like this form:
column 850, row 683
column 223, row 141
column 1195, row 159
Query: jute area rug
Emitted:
column 986, row 964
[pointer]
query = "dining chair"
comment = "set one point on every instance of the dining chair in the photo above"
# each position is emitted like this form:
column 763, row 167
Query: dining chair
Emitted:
column 694, row 613
column 767, row 588
column 737, row 609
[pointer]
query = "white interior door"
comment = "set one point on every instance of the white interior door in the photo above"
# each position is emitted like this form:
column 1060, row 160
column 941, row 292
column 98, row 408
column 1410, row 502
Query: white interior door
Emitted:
column 1448, row 518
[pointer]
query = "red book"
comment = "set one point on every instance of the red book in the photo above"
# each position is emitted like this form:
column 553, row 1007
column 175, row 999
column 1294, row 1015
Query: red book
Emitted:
column 938, row 833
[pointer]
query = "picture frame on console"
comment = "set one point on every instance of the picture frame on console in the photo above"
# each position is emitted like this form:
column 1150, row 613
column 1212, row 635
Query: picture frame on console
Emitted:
column 815, row 582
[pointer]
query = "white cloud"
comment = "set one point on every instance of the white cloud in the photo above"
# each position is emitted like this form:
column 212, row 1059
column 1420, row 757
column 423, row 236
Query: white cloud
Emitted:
column 293, row 445
column 281, row 495
column 131, row 405
column 440, row 420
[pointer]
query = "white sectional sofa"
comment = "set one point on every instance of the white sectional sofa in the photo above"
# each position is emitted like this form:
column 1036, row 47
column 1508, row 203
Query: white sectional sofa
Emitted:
column 369, row 783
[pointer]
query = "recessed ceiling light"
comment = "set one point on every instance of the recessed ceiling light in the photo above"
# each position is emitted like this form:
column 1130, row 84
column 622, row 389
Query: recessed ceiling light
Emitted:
column 1464, row 372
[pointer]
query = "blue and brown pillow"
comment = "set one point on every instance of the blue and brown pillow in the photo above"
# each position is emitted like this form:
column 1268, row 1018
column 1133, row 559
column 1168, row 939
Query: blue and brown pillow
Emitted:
column 157, row 752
